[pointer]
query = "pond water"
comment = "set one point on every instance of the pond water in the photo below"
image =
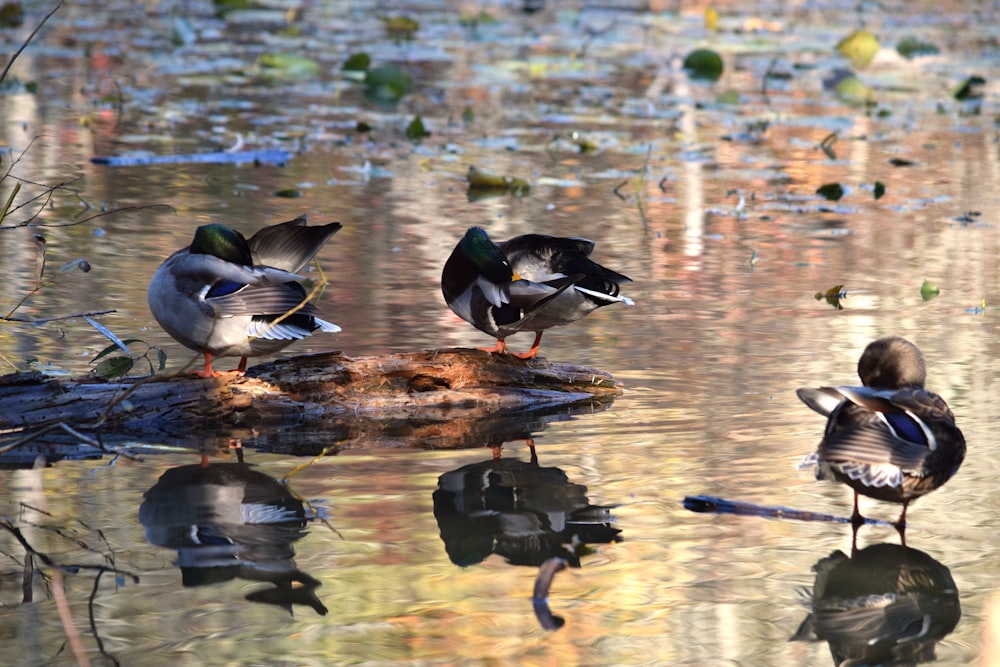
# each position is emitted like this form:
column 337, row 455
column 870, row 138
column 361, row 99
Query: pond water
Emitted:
column 703, row 193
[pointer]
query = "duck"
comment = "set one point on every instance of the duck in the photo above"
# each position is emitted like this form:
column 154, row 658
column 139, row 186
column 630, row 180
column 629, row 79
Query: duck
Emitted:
column 228, row 296
column 889, row 439
column 529, row 283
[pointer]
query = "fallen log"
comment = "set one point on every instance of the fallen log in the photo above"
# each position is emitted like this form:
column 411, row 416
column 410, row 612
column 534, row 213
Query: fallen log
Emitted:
column 342, row 398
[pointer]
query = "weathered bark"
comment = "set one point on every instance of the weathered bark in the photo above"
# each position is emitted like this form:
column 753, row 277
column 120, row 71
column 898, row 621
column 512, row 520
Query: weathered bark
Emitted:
column 436, row 398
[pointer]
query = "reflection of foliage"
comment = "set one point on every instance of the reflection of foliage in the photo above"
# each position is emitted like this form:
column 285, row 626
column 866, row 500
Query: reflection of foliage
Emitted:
column 39, row 565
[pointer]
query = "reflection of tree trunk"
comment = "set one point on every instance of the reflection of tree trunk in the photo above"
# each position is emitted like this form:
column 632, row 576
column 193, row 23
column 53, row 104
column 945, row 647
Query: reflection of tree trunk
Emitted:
column 316, row 388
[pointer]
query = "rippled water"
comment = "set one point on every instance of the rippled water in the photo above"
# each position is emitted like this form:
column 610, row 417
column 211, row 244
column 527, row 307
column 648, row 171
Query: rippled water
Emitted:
column 722, row 234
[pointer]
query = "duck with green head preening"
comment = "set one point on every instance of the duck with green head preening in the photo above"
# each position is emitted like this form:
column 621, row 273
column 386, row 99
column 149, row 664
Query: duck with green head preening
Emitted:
column 227, row 296
column 529, row 283
column 890, row 439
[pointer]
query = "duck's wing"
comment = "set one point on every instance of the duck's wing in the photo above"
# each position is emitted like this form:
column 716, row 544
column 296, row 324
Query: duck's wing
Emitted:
column 823, row 400
column 540, row 258
column 273, row 300
column 872, row 427
column 290, row 245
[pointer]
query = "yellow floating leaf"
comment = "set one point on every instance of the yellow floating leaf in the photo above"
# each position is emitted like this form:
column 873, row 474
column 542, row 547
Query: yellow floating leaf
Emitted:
column 711, row 19
column 859, row 47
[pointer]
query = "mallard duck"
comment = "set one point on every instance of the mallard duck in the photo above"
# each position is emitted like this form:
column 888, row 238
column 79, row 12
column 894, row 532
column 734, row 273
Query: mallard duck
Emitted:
column 529, row 283
column 890, row 439
column 223, row 295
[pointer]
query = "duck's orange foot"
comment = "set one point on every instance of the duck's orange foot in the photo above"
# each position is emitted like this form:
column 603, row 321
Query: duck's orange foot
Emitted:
column 499, row 348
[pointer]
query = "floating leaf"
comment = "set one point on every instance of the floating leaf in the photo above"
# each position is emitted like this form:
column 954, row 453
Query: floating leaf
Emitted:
column 827, row 145
column 161, row 358
column 114, row 367
column 79, row 263
column 704, row 64
column 911, row 47
column 901, row 162
column 831, row 191
column 287, row 66
column 11, row 15
column 928, row 290
column 879, row 190
column 853, row 91
column 468, row 115
column 357, row 62
column 711, row 19
column 400, row 27
column 387, row 84
column 970, row 89
column 223, row 7
column 362, row 127
column 859, row 47
column 288, row 193
column 415, row 130
column 833, row 296
column 480, row 179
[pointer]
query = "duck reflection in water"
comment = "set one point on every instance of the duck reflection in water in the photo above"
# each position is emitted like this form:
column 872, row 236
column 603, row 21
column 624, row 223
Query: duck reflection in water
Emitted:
column 519, row 510
column 886, row 605
column 529, row 514
column 228, row 521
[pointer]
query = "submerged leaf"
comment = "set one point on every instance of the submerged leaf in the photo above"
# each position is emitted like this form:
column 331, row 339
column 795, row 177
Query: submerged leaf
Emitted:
column 928, row 290
column 859, row 47
column 387, row 84
column 831, row 191
column 910, row 47
column 704, row 64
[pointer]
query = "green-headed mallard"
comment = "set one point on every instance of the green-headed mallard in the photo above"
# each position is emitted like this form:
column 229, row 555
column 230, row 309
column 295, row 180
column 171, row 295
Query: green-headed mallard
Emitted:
column 529, row 283
column 223, row 295
column 890, row 439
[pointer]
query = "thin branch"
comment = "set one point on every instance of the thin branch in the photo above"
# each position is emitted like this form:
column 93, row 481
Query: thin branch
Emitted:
column 43, row 320
column 28, row 40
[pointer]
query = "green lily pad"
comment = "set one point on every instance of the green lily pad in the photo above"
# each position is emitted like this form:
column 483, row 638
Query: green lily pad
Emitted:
column 704, row 64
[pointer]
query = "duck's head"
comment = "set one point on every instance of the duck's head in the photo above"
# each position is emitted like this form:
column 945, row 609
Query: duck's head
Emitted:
column 488, row 259
column 223, row 242
column 892, row 362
